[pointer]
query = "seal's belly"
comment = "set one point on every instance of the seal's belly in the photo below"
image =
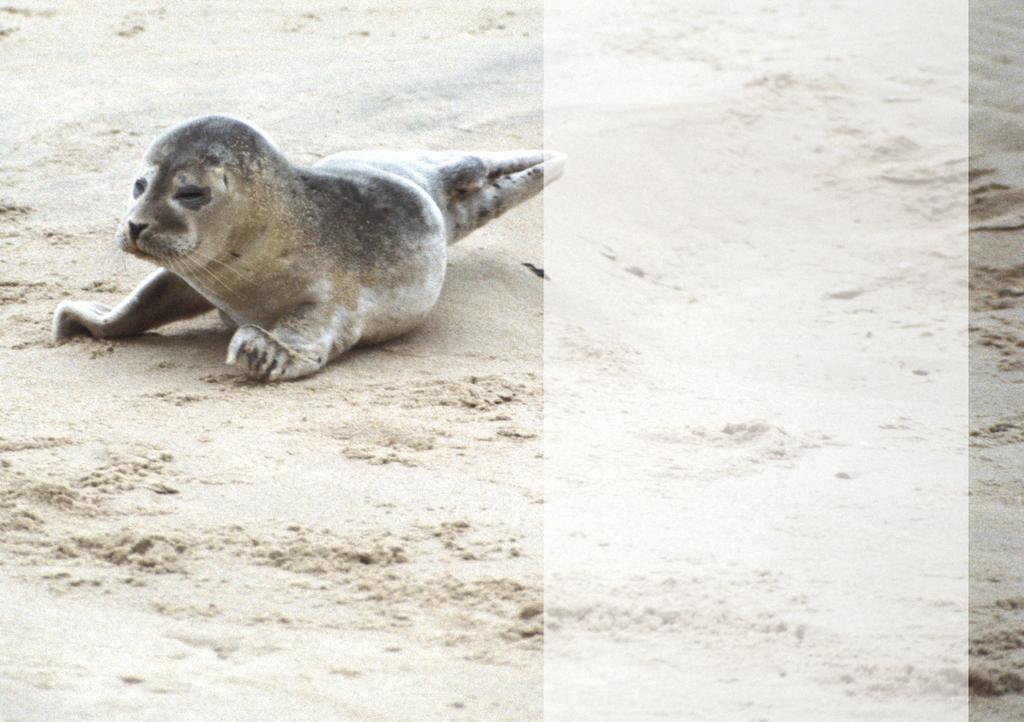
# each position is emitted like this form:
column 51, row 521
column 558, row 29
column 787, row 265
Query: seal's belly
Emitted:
column 389, row 312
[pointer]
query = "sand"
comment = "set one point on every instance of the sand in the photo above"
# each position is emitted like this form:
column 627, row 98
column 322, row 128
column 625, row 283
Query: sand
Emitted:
column 997, row 362
column 756, row 362
column 737, row 409
column 176, row 543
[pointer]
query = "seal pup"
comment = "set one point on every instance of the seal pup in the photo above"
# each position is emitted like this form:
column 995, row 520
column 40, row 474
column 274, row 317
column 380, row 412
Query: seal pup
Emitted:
column 303, row 262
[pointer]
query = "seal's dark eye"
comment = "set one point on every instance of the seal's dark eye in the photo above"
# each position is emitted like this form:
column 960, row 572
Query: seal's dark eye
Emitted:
column 140, row 188
column 192, row 196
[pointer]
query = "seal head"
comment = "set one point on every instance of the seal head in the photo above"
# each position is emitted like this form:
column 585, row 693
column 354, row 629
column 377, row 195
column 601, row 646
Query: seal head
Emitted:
column 198, row 182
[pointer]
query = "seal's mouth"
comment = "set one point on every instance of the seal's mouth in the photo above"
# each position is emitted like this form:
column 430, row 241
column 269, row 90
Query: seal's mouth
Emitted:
column 133, row 248
column 154, row 246
column 130, row 247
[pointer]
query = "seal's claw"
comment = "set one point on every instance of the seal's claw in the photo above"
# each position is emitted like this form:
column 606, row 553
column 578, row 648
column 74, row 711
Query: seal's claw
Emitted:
column 274, row 370
column 258, row 354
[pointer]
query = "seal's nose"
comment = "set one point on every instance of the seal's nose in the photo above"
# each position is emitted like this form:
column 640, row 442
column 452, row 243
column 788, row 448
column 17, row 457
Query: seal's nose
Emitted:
column 135, row 230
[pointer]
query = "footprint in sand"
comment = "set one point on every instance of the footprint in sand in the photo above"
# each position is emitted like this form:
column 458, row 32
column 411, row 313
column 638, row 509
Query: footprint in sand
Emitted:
column 135, row 22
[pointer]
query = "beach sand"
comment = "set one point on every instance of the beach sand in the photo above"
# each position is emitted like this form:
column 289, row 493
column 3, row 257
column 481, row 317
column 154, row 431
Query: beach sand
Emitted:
column 744, row 439
column 756, row 361
column 178, row 543
column 997, row 360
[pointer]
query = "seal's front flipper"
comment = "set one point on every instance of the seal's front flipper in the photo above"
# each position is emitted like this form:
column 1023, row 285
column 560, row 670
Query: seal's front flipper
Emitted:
column 299, row 344
column 263, row 357
column 161, row 298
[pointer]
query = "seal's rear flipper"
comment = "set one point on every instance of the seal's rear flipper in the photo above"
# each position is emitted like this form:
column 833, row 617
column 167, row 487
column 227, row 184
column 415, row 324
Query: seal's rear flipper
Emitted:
column 479, row 187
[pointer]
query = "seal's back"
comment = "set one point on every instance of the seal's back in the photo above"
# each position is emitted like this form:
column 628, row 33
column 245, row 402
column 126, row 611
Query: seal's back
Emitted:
column 470, row 188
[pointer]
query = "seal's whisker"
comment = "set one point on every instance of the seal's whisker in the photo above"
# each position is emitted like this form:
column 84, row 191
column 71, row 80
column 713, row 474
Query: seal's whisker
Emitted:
column 199, row 268
column 193, row 268
column 242, row 274
column 231, row 288
column 208, row 263
column 177, row 267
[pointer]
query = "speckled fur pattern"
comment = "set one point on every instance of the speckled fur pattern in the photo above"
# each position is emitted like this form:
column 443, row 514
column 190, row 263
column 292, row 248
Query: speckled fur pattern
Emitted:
column 303, row 263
